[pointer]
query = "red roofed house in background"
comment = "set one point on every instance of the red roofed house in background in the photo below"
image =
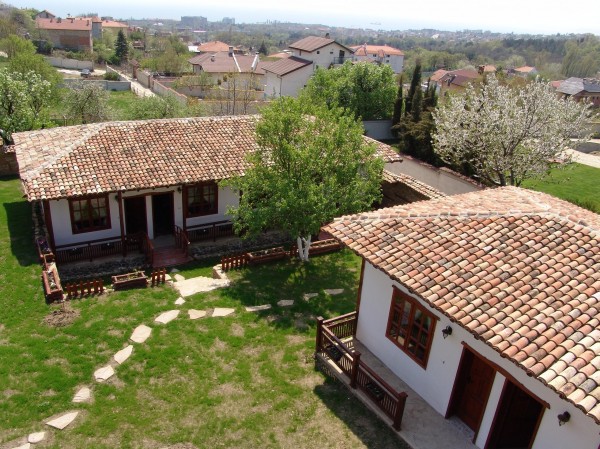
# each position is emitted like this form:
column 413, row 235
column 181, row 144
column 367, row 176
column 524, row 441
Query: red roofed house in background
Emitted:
column 103, row 183
column 72, row 33
column 485, row 305
column 381, row 54
column 287, row 76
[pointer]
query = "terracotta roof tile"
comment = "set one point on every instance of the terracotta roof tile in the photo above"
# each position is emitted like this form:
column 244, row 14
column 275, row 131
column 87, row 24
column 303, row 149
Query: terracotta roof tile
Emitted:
column 113, row 156
column 287, row 65
column 311, row 43
column 518, row 269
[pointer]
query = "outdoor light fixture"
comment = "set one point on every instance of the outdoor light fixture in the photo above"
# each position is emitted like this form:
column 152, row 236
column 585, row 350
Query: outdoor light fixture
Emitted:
column 564, row 418
column 446, row 331
column 179, row 189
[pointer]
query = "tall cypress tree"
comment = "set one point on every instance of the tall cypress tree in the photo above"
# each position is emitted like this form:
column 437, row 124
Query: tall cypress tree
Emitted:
column 121, row 47
column 399, row 103
column 415, row 83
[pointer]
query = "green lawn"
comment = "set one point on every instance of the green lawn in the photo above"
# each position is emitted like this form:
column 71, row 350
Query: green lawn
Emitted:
column 577, row 183
column 246, row 380
column 121, row 104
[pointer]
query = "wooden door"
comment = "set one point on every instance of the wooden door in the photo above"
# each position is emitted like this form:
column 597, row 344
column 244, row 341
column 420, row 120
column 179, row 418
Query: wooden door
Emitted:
column 135, row 214
column 472, row 389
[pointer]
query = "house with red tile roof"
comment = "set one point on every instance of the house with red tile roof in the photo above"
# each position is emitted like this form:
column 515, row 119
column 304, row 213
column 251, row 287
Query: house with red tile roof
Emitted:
column 107, row 182
column 380, row 54
column 525, row 71
column 288, row 76
column 72, row 33
column 580, row 89
column 222, row 64
column 487, row 306
column 454, row 80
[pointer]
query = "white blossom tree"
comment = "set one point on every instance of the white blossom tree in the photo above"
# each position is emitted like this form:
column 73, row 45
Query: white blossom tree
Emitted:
column 507, row 134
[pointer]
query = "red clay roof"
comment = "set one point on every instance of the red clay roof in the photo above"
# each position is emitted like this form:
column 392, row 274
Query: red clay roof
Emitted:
column 518, row 269
column 367, row 50
column 116, row 156
column 287, row 65
column 311, row 43
column 214, row 46
column 113, row 24
column 222, row 62
column 72, row 23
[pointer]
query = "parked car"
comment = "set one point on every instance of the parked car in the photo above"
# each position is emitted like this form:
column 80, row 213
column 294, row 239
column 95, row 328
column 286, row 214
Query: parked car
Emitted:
column 85, row 73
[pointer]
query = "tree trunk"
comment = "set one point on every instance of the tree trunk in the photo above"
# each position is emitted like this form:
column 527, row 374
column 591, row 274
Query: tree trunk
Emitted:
column 303, row 247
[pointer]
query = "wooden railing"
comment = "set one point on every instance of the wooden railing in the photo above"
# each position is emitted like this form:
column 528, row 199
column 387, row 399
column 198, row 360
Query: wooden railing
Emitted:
column 94, row 249
column 158, row 276
column 84, row 288
column 147, row 248
column 210, row 231
column 235, row 261
column 329, row 343
column 181, row 239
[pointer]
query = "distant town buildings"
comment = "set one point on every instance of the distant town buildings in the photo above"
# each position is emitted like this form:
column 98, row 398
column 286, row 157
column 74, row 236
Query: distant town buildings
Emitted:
column 381, row 54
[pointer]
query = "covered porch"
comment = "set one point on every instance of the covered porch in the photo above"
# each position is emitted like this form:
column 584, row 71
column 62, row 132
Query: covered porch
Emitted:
column 340, row 354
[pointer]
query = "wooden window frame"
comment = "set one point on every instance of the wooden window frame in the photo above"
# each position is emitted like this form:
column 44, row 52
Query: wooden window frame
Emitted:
column 399, row 298
column 202, row 185
column 89, row 207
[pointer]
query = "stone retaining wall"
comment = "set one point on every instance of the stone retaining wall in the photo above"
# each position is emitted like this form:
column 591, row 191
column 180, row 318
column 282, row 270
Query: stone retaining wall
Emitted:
column 8, row 162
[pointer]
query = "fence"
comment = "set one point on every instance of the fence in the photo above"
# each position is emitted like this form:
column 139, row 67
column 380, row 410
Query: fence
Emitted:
column 119, row 86
column 66, row 63
column 236, row 261
column 158, row 276
column 84, row 288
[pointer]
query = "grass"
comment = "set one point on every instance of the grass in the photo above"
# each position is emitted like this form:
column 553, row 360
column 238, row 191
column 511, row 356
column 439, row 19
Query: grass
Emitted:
column 247, row 380
column 121, row 103
column 576, row 183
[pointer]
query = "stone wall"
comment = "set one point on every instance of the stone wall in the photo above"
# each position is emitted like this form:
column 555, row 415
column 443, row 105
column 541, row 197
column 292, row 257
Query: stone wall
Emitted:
column 66, row 63
column 8, row 162
column 120, row 86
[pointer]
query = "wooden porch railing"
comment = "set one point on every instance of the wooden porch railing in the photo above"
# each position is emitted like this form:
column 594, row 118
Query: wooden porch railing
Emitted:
column 329, row 343
column 93, row 249
column 210, row 231
column 181, row 239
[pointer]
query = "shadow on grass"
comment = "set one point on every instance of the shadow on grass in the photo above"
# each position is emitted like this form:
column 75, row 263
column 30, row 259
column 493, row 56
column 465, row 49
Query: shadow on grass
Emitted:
column 292, row 279
column 361, row 421
column 20, row 232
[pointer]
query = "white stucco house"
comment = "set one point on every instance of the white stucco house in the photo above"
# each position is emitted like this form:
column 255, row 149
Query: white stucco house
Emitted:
column 380, row 54
column 289, row 75
column 100, row 184
column 486, row 305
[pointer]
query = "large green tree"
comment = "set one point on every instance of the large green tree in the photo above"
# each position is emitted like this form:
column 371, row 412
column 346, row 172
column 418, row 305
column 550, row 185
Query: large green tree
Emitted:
column 87, row 103
column 365, row 90
column 24, row 98
column 121, row 47
column 311, row 165
column 13, row 45
column 507, row 134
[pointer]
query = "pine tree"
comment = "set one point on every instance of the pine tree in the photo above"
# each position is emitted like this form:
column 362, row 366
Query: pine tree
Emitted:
column 121, row 47
column 263, row 49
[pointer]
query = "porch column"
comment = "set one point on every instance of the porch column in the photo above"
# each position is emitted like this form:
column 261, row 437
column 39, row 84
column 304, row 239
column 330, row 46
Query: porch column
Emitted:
column 48, row 223
column 122, row 223
column 354, row 373
column 319, row 334
column 184, row 209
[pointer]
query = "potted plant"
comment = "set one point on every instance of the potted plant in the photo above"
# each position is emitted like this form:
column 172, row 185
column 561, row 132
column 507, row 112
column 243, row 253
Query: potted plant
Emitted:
column 266, row 255
column 129, row 280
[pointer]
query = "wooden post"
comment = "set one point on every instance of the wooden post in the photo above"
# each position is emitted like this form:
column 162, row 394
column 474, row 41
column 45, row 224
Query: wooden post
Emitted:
column 354, row 373
column 318, row 347
column 48, row 223
column 399, row 411
column 122, row 224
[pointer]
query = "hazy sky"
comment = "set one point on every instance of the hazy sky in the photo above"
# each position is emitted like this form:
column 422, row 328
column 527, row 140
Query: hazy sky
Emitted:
column 519, row 16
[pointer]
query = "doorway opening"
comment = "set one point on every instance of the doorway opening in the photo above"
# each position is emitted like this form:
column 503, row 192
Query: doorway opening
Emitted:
column 135, row 215
column 163, row 218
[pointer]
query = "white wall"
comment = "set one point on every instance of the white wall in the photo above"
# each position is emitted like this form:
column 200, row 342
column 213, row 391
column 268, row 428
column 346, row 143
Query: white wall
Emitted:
column 446, row 181
column 61, row 218
column 435, row 382
column 396, row 62
column 325, row 55
column 288, row 85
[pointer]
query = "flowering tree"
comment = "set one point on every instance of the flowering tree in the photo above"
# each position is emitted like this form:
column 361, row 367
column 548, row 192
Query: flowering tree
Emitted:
column 506, row 134
column 311, row 165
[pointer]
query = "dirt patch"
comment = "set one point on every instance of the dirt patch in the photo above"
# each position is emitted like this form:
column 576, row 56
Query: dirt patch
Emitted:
column 237, row 330
column 218, row 346
column 296, row 339
column 61, row 317
column 9, row 393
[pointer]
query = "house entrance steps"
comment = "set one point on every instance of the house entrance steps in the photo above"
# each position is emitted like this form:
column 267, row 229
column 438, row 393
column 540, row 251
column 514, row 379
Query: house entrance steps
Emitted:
column 167, row 253
column 422, row 426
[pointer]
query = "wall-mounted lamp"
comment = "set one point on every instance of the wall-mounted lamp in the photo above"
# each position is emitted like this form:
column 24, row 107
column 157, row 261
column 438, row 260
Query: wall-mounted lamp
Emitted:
column 179, row 189
column 447, row 331
column 564, row 418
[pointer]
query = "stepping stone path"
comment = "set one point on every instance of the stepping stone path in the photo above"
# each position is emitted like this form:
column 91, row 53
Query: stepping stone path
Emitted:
column 123, row 354
column 199, row 285
column 285, row 303
column 309, row 296
column 63, row 421
column 166, row 317
column 104, row 373
column 83, row 395
column 219, row 311
column 174, row 270
column 258, row 308
column 35, row 438
column 24, row 446
column 179, row 301
column 195, row 314
column 334, row 291
column 141, row 333
column 178, row 278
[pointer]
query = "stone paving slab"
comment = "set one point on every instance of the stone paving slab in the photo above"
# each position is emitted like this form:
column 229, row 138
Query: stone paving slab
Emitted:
column 63, row 421
column 23, row 446
column 104, row 373
column 123, row 354
column 334, row 291
column 258, row 308
column 179, row 301
column 83, row 395
column 221, row 311
column 285, row 302
column 309, row 296
column 141, row 333
column 178, row 278
column 199, row 285
column 166, row 317
column 195, row 314
column 36, row 437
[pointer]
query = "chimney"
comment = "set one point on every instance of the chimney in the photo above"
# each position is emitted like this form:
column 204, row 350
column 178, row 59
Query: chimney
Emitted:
column 230, row 50
column 326, row 35
column 59, row 20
